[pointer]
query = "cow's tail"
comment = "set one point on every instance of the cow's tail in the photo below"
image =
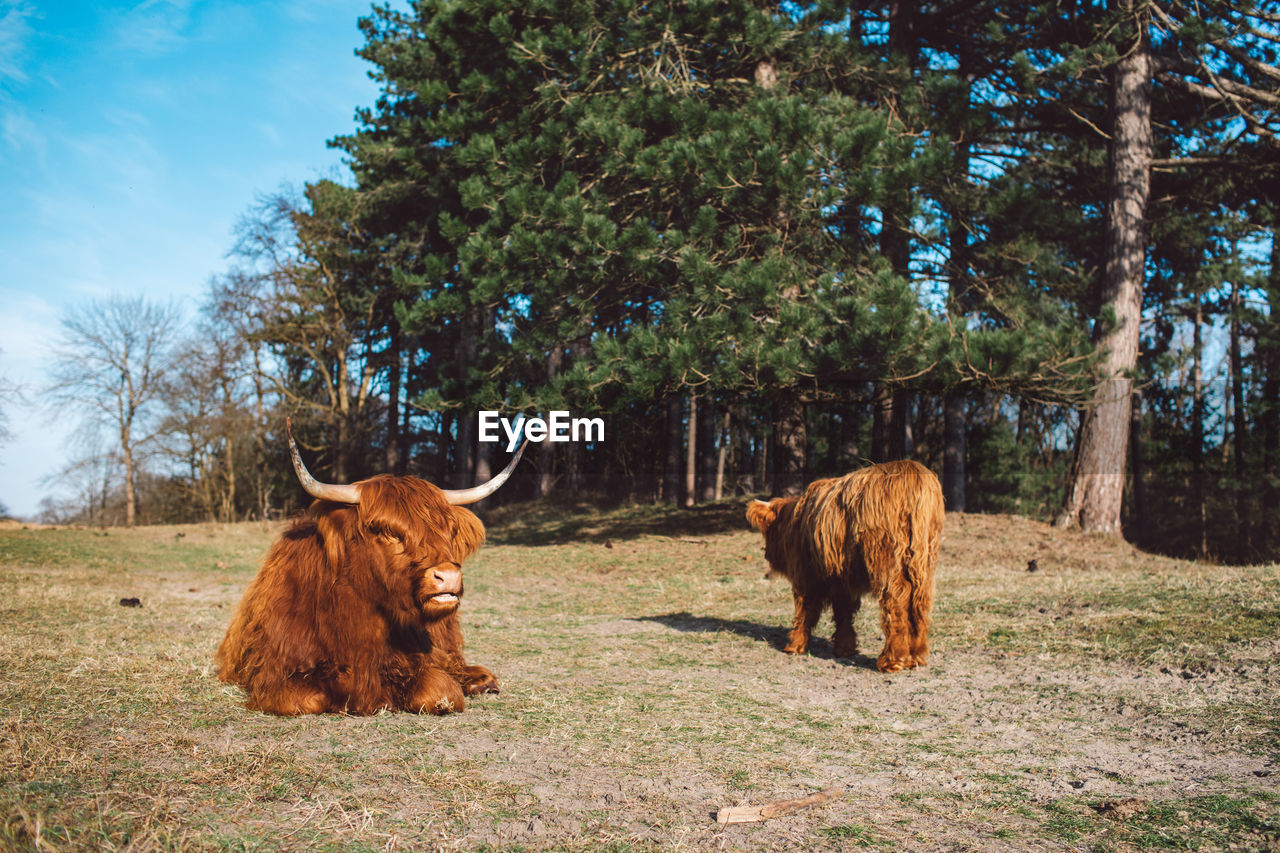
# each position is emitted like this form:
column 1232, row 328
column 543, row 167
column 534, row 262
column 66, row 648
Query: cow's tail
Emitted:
column 924, row 527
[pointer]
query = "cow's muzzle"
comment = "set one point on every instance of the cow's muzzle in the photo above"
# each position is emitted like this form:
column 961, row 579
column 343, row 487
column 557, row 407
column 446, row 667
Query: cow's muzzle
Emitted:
column 442, row 584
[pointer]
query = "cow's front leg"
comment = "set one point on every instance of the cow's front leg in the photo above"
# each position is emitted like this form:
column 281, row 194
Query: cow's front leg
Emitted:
column 476, row 680
column 291, row 699
column 808, row 610
column 473, row 680
column 434, row 691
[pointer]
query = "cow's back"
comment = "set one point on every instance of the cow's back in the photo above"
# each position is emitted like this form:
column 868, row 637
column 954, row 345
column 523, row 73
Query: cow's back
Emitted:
column 900, row 501
column 272, row 632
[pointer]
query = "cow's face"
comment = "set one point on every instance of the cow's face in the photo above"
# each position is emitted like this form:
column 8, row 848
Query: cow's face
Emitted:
column 426, row 571
column 773, row 519
column 420, row 542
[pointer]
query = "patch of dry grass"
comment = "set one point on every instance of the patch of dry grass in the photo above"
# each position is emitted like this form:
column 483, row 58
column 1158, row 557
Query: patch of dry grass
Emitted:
column 643, row 688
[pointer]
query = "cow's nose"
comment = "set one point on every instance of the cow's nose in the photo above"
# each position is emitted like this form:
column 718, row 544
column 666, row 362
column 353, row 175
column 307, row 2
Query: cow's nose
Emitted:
column 448, row 577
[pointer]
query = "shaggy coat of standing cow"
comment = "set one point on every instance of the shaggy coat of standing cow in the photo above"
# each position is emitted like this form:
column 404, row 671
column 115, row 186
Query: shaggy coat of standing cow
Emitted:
column 877, row 530
column 355, row 608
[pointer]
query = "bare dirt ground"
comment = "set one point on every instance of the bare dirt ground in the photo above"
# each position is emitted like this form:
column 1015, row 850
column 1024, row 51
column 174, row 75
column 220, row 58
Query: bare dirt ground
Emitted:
column 1110, row 699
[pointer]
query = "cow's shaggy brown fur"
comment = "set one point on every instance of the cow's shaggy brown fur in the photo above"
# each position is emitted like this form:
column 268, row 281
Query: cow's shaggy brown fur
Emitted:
column 876, row 530
column 355, row 608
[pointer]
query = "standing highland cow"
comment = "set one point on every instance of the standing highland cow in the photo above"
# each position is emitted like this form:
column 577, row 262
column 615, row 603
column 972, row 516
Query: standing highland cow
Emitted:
column 355, row 608
column 876, row 530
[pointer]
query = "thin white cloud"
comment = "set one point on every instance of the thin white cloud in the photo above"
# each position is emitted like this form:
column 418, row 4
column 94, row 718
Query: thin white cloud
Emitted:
column 25, row 330
column 131, row 119
column 22, row 136
column 125, row 163
column 15, row 32
column 271, row 134
column 309, row 11
column 154, row 26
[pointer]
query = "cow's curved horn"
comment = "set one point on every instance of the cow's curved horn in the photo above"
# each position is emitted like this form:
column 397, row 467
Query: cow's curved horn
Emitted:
column 324, row 491
column 460, row 497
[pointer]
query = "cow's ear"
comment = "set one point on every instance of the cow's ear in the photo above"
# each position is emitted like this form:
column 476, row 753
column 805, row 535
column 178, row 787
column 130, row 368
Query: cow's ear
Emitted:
column 760, row 515
column 468, row 535
column 337, row 524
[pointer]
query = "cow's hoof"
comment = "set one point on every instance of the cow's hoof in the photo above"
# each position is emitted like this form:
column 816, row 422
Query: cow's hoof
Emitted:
column 436, row 693
column 291, row 701
column 475, row 688
column 887, row 665
column 479, row 680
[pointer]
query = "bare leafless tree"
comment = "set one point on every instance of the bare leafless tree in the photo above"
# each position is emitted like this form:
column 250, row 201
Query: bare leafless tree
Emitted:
column 10, row 394
column 107, row 371
column 89, row 483
column 298, row 294
column 209, row 425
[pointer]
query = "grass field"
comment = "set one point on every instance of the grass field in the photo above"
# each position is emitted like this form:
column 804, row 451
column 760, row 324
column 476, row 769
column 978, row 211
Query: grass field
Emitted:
column 1112, row 700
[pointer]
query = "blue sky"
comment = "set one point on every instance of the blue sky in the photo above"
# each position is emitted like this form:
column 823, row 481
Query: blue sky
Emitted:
column 133, row 136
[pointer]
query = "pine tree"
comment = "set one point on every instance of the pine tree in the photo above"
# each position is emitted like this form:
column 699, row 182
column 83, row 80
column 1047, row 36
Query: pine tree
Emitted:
column 1217, row 51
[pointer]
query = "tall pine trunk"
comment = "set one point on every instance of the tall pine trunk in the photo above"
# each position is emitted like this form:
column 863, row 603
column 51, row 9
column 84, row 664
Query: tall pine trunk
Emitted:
column 575, row 454
column 768, row 454
column 722, row 454
column 391, row 459
column 546, row 450
column 953, row 453
column 954, row 450
column 1141, row 517
column 674, row 444
column 1096, row 490
column 881, row 422
column 406, row 447
column 895, row 226
column 1269, row 416
column 1197, row 431
column 1239, row 431
column 465, row 452
column 792, row 442
column 691, row 457
column 707, row 451
column 850, row 452
column 444, row 447
column 484, row 465
column 900, row 425
column 746, row 457
column 484, row 454
column 791, row 447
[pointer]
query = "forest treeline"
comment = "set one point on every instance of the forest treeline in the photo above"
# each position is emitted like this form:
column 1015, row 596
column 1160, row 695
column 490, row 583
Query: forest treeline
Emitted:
column 1030, row 245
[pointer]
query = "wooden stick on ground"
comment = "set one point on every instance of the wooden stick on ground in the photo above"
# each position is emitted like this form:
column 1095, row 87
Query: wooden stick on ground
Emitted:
column 752, row 814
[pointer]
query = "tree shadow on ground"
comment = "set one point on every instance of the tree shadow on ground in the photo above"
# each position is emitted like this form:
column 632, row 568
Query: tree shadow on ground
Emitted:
column 773, row 635
column 559, row 522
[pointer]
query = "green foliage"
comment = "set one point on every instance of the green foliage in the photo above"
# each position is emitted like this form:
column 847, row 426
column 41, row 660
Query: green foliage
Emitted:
column 1010, row 468
column 604, row 205
column 787, row 212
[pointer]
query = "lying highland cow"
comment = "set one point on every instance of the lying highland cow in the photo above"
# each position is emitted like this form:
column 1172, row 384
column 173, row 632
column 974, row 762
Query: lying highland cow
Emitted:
column 356, row 607
column 876, row 530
